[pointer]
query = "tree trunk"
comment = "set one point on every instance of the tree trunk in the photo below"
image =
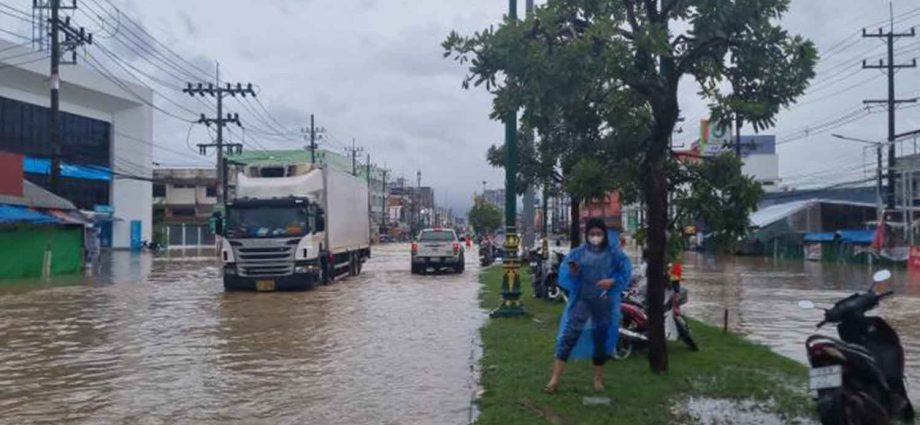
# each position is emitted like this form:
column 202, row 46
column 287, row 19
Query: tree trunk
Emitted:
column 657, row 203
column 575, row 229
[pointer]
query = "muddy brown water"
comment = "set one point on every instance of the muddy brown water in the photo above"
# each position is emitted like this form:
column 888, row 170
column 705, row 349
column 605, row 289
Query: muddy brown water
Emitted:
column 761, row 296
column 383, row 348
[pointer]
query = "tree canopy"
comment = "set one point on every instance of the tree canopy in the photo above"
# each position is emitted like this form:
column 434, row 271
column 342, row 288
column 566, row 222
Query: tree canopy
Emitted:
column 598, row 80
column 484, row 217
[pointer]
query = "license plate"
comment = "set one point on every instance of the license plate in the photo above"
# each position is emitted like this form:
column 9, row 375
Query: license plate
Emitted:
column 435, row 260
column 825, row 377
column 265, row 285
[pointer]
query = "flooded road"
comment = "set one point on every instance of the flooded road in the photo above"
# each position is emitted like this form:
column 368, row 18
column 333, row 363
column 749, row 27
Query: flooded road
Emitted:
column 762, row 294
column 172, row 347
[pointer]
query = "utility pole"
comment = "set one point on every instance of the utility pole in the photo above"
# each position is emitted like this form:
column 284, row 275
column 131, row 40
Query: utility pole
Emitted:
column 219, row 92
column 354, row 151
column 418, row 199
column 385, row 215
column 314, row 134
column 892, row 102
column 73, row 38
column 511, row 281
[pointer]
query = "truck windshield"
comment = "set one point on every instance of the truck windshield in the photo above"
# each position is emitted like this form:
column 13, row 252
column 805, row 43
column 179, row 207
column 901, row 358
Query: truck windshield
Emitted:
column 267, row 222
column 437, row 236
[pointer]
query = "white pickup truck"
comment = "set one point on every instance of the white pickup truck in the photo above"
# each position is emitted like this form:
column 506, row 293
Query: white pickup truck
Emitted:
column 437, row 249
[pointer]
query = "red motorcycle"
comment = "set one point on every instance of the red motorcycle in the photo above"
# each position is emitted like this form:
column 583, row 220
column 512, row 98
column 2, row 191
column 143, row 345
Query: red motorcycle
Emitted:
column 634, row 322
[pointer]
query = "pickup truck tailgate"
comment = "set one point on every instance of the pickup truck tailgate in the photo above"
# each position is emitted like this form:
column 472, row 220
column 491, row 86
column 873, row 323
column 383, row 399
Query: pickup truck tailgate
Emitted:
column 435, row 249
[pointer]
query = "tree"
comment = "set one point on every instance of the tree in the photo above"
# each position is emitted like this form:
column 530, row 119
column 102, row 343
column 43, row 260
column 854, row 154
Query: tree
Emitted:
column 720, row 196
column 604, row 71
column 485, row 217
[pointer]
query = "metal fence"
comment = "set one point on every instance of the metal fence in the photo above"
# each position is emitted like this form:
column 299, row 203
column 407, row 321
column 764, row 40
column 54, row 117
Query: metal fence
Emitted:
column 188, row 235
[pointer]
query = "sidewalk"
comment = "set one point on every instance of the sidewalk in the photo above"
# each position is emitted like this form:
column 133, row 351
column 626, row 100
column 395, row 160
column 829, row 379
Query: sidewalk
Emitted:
column 730, row 380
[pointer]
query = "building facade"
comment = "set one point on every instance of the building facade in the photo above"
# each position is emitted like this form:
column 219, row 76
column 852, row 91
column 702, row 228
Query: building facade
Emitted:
column 183, row 200
column 106, row 132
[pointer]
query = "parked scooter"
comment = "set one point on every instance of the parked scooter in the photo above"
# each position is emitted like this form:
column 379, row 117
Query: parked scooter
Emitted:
column 537, row 263
column 859, row 378
column 634, row 326
column 486, row 253
column 549, row 284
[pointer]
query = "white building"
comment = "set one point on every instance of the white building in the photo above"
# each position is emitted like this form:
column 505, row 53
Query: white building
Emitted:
column 761, row 161
column 105, row 128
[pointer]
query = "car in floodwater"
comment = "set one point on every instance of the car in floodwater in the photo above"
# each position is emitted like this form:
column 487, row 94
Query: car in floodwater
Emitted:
column 437, row 249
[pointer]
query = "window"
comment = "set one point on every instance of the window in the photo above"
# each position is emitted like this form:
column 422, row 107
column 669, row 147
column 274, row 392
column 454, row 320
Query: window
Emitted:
column 211, row 192
column 183, row 212
column 437, row 236
column 159, row 190
column 85, row 141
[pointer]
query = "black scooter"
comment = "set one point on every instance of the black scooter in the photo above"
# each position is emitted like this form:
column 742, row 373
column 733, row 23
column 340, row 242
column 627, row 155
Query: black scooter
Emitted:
column 486, row 253
column 549, row 284
column 859, row 378
column 537, row 263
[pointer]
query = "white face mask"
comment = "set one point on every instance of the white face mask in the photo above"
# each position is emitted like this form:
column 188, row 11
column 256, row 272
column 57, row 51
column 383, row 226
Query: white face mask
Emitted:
column 596, row 240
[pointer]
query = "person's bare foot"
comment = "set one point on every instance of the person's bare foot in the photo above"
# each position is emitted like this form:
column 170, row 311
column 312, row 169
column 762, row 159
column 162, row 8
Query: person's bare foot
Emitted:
column 551, row 387
column 599, row 384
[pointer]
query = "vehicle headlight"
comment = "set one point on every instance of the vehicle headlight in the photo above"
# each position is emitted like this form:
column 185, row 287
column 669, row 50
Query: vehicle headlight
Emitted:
column 230, row 270
column 304, row 269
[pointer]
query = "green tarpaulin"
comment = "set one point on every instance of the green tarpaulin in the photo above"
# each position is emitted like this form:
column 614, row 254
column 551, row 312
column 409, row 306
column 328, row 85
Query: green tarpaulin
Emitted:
column 22, row 250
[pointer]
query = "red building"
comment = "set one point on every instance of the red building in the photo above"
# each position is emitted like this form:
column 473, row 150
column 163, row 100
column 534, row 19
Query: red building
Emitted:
column 608, row 209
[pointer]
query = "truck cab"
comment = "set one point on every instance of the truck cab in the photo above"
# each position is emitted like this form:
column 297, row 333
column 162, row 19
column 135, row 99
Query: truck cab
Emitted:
column 273, row 244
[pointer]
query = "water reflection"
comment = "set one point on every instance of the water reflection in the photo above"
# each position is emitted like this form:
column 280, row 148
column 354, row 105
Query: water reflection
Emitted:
column 761, row 296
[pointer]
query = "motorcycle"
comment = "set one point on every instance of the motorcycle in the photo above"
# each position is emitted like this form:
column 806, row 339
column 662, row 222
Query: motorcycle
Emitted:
column 549, row 284
column 536, row 263
column 486, row 253
column 859, row 378
column 634, row 326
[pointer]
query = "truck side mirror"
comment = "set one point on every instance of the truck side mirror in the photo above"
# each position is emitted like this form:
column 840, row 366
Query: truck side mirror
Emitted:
column 320, row 220
column 217, row 224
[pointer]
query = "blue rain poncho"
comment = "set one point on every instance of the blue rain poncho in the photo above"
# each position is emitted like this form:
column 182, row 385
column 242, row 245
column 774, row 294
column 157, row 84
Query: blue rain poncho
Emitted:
column 592, row 316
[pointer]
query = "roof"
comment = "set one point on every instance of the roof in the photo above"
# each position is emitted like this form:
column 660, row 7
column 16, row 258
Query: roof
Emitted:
column 863, row 237
column 303, row 156
column 774, row 213
column 18, row 214
column 34, row 196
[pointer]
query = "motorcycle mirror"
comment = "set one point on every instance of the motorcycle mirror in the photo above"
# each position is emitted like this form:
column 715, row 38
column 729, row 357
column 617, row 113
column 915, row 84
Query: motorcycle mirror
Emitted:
column 806, row 305
column 881, row 276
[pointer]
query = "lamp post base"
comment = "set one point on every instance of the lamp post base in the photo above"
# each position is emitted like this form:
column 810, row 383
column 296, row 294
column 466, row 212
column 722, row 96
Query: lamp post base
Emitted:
column 511, row 281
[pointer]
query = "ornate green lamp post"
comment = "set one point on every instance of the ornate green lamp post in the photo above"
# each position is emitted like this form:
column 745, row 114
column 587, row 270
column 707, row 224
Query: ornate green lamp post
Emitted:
column 511, row 282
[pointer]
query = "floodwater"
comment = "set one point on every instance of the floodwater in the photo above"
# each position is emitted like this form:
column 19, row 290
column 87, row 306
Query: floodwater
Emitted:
column 156, row 340
column 761, row 296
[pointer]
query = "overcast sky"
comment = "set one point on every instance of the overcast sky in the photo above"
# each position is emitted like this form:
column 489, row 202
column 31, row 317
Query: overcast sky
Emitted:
column 372, row 70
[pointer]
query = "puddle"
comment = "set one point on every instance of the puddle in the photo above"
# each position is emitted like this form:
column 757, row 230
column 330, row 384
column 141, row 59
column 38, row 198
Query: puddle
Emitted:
column 709, row 411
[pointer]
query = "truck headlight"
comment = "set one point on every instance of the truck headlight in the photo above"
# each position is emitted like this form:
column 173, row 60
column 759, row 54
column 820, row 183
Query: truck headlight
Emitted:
column 304, row 269
column 230, row 270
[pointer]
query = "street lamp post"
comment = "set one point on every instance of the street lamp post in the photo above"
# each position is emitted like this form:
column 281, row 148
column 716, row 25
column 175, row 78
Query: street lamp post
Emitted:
column 511, row 281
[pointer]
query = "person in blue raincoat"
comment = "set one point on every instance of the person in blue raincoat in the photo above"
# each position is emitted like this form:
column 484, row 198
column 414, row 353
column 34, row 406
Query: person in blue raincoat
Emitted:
column 595, row 275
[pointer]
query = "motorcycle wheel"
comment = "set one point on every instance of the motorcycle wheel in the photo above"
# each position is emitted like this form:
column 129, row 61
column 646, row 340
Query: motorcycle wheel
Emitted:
column 683, row 332
column 841, row 407
column 624, row 346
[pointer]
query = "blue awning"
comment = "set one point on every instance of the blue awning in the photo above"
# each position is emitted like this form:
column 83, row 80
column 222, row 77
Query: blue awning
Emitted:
column 15, row 214
column 819, row 237
column 857, row 236
column 88, row 172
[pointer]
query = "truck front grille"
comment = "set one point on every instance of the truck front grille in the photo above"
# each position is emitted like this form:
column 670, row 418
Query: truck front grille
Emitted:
column 265, row 261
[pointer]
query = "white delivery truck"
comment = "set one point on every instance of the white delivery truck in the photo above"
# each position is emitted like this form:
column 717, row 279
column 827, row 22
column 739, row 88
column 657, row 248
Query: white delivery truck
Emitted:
column 293, row 227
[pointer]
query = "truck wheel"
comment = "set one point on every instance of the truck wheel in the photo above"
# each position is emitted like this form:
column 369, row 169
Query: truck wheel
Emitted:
column 352, row 269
